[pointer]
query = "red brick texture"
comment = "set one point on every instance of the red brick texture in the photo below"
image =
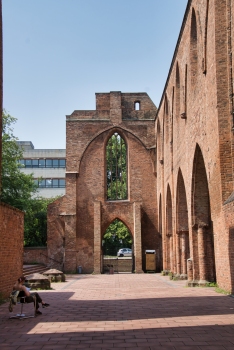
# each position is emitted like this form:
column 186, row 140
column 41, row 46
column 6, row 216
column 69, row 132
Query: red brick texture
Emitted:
column 35, row 255
column 11, row 248
column 194, row 145
column 85, row 205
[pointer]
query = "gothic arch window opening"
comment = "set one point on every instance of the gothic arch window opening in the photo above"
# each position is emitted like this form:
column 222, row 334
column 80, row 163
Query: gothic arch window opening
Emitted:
column 193, row 49
column 137, row 105
column 166, row 118
column 177, row 90
column 116, row 168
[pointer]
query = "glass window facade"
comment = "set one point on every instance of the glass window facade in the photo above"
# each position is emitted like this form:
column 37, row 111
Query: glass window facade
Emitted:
column 51, row 183
column 43, row 163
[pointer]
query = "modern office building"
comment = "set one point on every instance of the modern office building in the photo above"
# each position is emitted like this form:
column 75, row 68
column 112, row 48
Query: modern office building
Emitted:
column 48, row 167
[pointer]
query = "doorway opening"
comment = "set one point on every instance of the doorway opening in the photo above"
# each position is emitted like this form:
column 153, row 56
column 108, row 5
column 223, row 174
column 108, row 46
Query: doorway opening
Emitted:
column 117, row 248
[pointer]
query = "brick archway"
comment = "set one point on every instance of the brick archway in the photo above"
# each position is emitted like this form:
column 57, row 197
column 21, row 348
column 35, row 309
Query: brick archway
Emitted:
column 119, row 264
column 202, row 235
column 169, row 231
column 182, row 229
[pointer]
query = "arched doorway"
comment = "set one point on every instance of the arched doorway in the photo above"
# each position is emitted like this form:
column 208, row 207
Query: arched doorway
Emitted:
column 182, row 237
column 117, row 248
column 169, row 238
column 203, row 238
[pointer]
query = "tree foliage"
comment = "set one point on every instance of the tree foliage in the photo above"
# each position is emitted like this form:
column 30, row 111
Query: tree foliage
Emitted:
column 116, row 236
column 35, row 222
column 116, row 167
column 17, row 187
column 19, row 190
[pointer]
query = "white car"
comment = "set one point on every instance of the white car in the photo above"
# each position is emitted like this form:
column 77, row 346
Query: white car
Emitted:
column 124, row 252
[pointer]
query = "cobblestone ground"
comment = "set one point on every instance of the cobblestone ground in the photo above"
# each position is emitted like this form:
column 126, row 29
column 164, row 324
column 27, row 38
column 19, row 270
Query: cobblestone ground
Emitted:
column 123, row 311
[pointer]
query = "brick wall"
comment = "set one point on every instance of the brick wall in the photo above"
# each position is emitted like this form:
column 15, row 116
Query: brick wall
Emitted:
column 34, row 255
column 87, row 136
column 11, row 247
column 194, row 142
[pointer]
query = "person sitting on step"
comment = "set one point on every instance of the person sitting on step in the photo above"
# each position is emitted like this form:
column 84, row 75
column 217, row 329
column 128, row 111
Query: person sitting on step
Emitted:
column 24, row 292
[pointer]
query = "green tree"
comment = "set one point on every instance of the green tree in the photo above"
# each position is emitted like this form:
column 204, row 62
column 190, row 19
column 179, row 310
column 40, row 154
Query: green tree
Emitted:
column 17, row 187
column 19, row 190
column 116, row 236
column 35, row 222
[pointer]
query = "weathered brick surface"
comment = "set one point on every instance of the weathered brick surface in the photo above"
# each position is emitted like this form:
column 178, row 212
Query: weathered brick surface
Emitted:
column 196, row 147
column 87, row 135
column 11, row 248
column 35, row 255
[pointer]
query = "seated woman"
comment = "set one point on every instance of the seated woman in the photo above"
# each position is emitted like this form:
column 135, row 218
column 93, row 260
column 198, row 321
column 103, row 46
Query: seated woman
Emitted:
column 23, row 292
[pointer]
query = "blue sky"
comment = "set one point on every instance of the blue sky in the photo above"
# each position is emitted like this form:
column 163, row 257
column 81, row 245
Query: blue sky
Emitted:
column 58, row 53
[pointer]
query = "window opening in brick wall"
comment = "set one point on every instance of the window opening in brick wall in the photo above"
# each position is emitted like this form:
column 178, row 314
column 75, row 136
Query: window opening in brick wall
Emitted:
column 177, row 91
column 117, row 236
column 116, row 168
column 137, row 105
column 166, row 118
column 193, row 49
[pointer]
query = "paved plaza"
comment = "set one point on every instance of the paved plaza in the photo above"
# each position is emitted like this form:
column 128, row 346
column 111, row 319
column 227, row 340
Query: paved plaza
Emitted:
column 124, row 311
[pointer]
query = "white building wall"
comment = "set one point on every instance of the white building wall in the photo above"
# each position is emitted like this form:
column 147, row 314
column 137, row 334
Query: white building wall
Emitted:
column 46, row 173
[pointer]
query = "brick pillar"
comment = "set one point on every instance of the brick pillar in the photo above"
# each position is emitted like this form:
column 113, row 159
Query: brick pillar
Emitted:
column 201, row 253
column 178, row 258
column 171, row 253
column 70, row 258
column 97, row 238
column 164, row 241
column 137, row 237
column 174, row 253
column 183, row 253
column 190, row 269
column 115, row 107
column 70, row 263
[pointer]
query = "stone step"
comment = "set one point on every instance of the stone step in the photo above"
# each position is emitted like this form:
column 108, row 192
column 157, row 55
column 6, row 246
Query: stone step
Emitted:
column 31, row 269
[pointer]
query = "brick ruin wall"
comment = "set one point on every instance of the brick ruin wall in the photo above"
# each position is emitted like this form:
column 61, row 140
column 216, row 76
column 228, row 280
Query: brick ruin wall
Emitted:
column 35, row 255
column 194, row 147
column 72, row 219
column 11, row 248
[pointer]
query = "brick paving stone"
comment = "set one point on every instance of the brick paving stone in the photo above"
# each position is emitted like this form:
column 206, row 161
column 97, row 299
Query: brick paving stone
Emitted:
column 145, row 311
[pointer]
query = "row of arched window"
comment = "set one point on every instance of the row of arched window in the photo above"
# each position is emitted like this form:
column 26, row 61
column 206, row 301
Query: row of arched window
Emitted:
column 179, row 90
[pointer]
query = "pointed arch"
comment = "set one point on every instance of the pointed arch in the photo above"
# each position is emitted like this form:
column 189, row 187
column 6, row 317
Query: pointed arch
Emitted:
column 181, row 205
column 166, row 118
column 115, row 237
column 204, row 63
column 184, row 112
column 183, row 251
column 193, row 49
column 159, row 142
column 200, row 190
column 169, row 238
column 116, row 168
column 160, row 215
column 203, row 238
column 160, row 250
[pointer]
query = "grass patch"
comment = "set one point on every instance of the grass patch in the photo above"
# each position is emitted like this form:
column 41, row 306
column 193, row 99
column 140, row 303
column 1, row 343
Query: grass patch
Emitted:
column 222, row 291
column 212, row 284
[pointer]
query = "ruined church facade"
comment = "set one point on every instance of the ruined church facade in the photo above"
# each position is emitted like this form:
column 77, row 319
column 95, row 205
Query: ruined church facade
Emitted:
column 180, row 163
